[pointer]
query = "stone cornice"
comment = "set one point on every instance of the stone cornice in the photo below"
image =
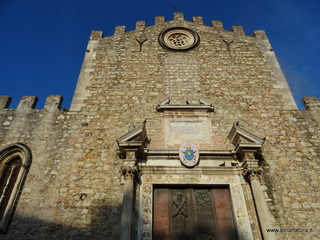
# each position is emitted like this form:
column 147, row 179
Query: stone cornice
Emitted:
column 191, row 107
column 159, row 153
column 203, row 105
column 183, row 170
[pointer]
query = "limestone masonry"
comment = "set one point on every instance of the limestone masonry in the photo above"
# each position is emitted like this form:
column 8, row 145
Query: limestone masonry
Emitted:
column 109, row 168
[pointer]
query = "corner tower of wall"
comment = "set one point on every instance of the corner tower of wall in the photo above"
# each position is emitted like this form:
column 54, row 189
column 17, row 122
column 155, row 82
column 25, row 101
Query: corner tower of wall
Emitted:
column 81, row 93
column 271, row 59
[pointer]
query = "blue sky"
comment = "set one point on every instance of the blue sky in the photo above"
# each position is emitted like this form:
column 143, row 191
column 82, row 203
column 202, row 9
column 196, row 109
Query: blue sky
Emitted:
column 43, row 42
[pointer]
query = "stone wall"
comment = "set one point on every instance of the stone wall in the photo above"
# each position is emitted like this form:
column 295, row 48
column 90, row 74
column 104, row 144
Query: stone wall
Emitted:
column 74, row 187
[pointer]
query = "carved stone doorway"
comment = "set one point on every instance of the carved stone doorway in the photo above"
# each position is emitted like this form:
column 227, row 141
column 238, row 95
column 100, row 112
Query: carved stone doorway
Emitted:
column 192, row 214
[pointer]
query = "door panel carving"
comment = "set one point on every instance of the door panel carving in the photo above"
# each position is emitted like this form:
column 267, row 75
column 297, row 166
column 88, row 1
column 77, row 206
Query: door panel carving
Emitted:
column 206, row 223
column 182, row 214
column 192, row 214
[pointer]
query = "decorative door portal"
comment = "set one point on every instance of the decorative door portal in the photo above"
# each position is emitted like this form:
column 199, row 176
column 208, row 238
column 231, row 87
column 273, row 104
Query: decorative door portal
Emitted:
column 192, row 214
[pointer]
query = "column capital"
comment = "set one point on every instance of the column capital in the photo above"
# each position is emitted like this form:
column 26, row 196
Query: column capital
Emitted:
column 251, row 166
column 129, row 172
column 252, row 173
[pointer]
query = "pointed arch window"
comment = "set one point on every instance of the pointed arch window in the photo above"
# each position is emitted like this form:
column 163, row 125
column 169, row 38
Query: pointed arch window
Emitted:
column 14, row 163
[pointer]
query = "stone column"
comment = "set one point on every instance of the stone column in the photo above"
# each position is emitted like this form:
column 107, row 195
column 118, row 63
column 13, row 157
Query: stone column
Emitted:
column 260, row 202
column 129, row 174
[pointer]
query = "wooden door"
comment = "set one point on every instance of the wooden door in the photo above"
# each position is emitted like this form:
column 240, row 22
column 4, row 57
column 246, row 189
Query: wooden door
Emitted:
column 192, row 214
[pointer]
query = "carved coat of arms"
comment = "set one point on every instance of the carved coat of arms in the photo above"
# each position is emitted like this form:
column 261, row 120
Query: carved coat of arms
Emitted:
column 189, row 154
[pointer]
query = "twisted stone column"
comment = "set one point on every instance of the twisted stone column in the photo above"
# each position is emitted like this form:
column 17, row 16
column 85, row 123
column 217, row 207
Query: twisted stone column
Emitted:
column 129, row 174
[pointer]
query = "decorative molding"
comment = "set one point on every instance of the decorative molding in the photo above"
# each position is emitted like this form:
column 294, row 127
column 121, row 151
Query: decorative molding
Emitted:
column 233, row 181
column 181, row 170
column 164, row 153
column 190, row 107
column 204, row 105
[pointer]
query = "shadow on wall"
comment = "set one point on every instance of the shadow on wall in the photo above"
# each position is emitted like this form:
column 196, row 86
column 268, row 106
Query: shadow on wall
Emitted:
column 104, row 226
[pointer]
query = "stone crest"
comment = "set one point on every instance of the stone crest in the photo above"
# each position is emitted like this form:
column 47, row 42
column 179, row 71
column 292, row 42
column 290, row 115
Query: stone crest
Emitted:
column 189, row 154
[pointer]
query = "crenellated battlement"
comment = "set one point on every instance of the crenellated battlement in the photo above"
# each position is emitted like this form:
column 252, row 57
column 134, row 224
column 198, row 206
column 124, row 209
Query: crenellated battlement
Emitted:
column 5, row 101
column 53, row 102
column 27, row 122
column 179, row 17
column 311, row 103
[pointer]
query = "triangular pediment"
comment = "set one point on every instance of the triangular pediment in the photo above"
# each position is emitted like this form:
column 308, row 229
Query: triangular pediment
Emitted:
column 137, row 134
column 134, row 140
column 239, row 135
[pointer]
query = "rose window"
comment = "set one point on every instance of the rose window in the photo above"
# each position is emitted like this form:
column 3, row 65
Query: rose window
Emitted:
column 178, row 39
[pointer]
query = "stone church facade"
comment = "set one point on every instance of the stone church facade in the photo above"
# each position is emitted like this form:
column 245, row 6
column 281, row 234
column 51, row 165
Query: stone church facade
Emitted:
column 176, row 131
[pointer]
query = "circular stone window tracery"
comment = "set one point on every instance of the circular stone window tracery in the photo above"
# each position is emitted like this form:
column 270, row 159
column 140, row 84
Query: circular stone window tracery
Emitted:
column 178, row 39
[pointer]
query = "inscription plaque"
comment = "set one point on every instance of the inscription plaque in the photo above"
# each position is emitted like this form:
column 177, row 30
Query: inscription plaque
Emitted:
column 177, row 131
